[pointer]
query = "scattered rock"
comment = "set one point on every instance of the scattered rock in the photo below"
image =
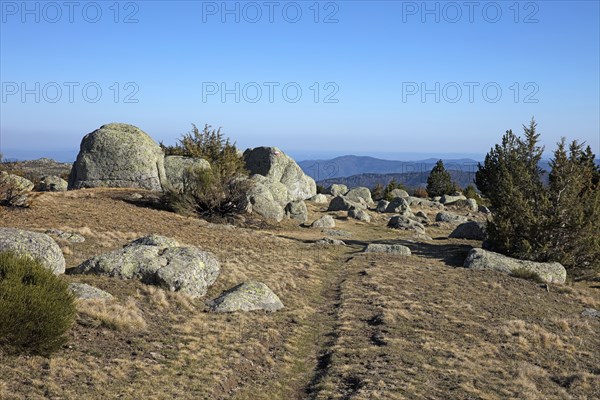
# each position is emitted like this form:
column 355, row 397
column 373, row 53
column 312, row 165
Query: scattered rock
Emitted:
column 267, row 199
column 159, row 261
column 590, row 312
column 421, row 217
column 15, row 189
column 551, row 272
column 336, row 190
column 360, row 215
column 399, row 205
column 176, row 167
column 118, row 155
column 336, row 242
column 450, row 218
column 297, row 210
column 360, row 195
column 447, row 199
column 382, row 205
column 248, row 296
column 399, row 193
column 325, row 221
column 83, row 291
column 417, row 201
column 68, row 236
column 469, row 230
column 469, row 204
column 319, row 199
column 337, row 232
column 33, row 245
column 342, row 203
column 404, row 223
column 388, row 248
column 52, row 183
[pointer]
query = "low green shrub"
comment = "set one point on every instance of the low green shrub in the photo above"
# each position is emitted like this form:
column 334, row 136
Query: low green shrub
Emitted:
column 36, row 307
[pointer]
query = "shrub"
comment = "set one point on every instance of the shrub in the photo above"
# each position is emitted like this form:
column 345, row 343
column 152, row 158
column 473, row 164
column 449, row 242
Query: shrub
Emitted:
column 219, row 191
column 36, row 307
column 421, row 192
column 439, row 181
column 390, row 187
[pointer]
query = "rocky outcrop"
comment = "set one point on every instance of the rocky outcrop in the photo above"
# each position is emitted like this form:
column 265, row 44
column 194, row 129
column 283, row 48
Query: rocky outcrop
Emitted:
column 297, row 210
column 248, row 296
column 156, row 260
column 118, row 155
column 551, row 272
column 38, row 246
column 417, row 201
column 469, row 230
column 177, row 166
column 52, row 183
column 388, row 248
column 319, row 199
column 399, row 193
column 336, row 190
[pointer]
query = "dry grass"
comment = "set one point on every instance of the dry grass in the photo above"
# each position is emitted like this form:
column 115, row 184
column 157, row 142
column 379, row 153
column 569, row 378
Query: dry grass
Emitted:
column 354, row 326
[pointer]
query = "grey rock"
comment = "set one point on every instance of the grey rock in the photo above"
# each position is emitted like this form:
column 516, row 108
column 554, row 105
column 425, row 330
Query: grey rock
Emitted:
column 319, row 199
column 590, row 312
column 337, row 232
column 34, row 245
column 447, row 199
column 469, row 230
column 83, row 291
column 336, row 190
column 118, row 155
column 399, row 193
column 551, row 272
column 68, row 236
column 325, row 221
column 399, row 205
column 450, row 218
column 404, row 223
column 177, row 167
column 469, row 204
column 14, row 190
column 421, row 217
column 266, row 200
column 52, row 183
column 360, row 195
column 342, row 203
column 276, row 166
column 248, row 296
column 297, row 210
column 417, row 201
column 330, row 241
column 484, row 210
column 156, row 260
column 360, row 215
column 388, row 248
column 382, row 205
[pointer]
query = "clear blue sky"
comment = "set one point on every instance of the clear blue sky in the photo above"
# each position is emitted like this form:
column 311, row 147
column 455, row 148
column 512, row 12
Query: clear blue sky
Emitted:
column 375, row 60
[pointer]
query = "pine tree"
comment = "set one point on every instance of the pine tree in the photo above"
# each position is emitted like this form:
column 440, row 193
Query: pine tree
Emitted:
column 439, row 181
column 377, row 193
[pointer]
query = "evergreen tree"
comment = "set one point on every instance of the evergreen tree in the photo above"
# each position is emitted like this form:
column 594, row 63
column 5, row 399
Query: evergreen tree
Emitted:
column 439, row 181
column 377, row 193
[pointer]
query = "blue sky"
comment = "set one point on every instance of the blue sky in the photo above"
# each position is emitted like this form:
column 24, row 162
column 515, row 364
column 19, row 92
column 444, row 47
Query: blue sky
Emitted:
column 361, row 68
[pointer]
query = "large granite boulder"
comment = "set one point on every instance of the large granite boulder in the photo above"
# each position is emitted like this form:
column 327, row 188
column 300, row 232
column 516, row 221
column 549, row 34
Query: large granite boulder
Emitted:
column 336, row 190
column 14, row 190
column 399, row 193
column 297, row 210
column 52, row 183
column 342, row 203
column 326, row 221
column 360, row 215
column 404, row 223
column 156, row 260
column 276, row 166
column 248, row 296
column 398, row 205
column 118, row 155
column 176, row 167
column 34, row 245
column 360, row 195
column 469, row 230
column 319, row 199
column 267, row 198
column 551, row 272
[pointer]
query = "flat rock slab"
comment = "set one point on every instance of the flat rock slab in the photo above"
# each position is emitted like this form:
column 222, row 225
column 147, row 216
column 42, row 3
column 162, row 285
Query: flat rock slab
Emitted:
column 248, row 296
column 550, row 272
column 388, row 248
column 83, row 291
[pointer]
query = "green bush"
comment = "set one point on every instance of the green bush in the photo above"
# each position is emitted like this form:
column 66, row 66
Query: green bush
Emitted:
column 36, row 307
column 216, row 192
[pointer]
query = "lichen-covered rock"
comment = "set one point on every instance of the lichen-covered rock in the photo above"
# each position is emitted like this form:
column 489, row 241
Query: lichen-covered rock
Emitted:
column 450, row 218
column 156, row 260
column 398, row 205
column 276, row 166
column 266, row 200
column 342, row 203
column 388, row 248
column 360, row 215
column 325, row 221
column 319, row 199
column 469, row 204
column 399, row 193
column 52, row 183
column 247, row 296
column 177, row 166
column 297, row 210
column 359, row 195
column 382, row 205
column 469, row 230
column 33, row 245
column 14, row 190
column 118, row 155
column 336, row 190
column 404, row 223
column 551, row 272
column 68, row 236
column 417, row 201
column 83, row 291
